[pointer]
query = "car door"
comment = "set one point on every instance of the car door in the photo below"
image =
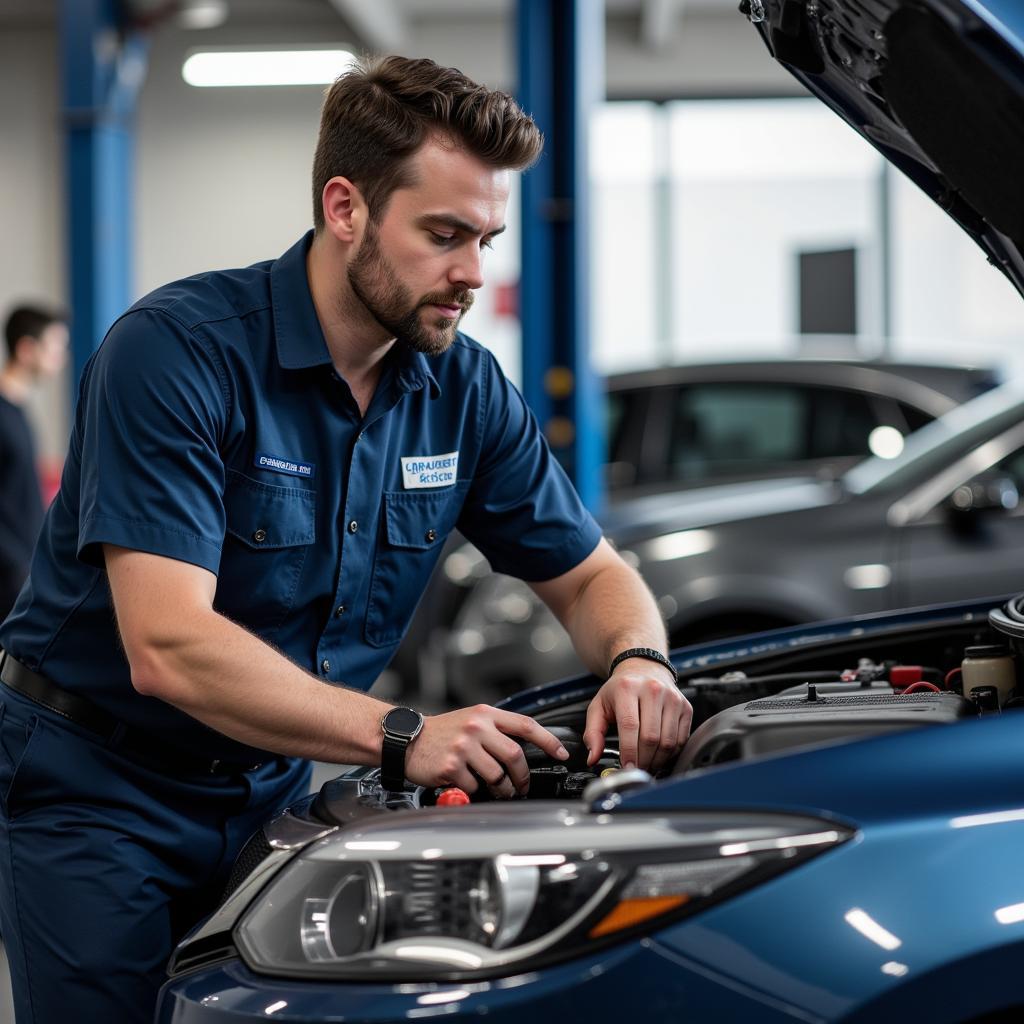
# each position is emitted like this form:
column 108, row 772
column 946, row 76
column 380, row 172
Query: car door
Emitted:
column 961, row 535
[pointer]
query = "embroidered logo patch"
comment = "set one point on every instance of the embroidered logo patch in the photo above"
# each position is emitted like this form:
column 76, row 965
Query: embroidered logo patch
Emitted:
column 278, row 465
column 429, row 470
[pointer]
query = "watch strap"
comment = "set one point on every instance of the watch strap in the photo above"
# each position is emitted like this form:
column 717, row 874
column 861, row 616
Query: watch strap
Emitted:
column 650, row 653
column 392, row 762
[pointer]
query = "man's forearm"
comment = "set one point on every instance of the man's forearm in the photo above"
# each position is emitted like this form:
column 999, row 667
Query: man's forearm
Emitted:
column 613, row 612
column 607, row 609
column 229, row 679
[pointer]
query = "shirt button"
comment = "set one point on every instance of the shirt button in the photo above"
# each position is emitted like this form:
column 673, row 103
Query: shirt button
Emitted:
column 339, row 611
column 353, row 527
column 325, row 666
column 431, row 536
column 359, row 436
column 260, row 535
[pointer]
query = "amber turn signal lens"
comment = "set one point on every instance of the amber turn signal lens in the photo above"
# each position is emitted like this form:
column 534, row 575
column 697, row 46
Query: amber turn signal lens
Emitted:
column 635, row 911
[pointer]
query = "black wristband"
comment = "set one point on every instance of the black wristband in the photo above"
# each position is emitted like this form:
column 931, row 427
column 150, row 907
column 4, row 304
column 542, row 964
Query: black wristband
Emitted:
column 644, row 652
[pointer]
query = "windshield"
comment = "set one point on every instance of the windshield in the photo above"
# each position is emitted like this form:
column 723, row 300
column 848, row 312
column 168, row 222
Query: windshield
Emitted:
column 933, row 446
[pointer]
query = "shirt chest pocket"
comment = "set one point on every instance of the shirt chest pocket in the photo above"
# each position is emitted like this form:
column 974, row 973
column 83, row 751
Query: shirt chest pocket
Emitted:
column 414, row 527
column 269, row 532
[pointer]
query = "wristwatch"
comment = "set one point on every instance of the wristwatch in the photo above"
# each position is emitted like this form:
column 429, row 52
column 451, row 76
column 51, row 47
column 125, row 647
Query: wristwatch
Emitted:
column 400, row 727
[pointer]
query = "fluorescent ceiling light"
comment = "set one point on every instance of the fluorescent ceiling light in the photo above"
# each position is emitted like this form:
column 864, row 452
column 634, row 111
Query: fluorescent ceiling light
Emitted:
column 265, row 67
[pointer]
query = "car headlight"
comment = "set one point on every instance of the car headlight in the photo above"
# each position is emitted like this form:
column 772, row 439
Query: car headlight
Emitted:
column 433, row 900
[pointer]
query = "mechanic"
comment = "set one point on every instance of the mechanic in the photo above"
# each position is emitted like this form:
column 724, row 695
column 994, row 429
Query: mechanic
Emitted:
column 263, row 468
column 37, row 345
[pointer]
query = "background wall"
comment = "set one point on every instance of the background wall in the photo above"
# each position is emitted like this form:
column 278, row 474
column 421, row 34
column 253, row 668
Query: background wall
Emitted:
column 223, row 179
column 32, row 197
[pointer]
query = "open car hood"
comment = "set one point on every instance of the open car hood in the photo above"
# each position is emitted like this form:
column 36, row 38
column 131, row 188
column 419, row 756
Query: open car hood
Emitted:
column 937, row 86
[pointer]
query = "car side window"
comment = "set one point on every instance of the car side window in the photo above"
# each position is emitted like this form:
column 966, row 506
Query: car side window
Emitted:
column 615, row 417
column 841, row 423
column 623, row 457
column 730, row 428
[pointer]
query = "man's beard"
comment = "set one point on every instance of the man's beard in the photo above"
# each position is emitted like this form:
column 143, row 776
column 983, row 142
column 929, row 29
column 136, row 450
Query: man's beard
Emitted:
column 374, row 282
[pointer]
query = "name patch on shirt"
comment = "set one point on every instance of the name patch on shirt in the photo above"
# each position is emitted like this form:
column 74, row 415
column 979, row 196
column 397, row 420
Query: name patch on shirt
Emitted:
column 276, row 464
column 429, row 470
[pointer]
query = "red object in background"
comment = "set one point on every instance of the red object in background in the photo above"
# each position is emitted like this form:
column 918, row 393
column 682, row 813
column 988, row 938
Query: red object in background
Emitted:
column 922, row 685
column 506, row 299
column 49, row 478
column 905, row 675
column 453, row 798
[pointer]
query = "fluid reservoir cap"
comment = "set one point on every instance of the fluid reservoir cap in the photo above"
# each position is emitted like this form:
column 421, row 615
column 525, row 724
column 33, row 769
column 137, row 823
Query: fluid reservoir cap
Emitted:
column 452, row 798
column 905, row 675
column 987, row 651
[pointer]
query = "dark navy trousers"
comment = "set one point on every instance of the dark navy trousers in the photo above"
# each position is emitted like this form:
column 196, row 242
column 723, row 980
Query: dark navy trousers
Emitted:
column 105, row 865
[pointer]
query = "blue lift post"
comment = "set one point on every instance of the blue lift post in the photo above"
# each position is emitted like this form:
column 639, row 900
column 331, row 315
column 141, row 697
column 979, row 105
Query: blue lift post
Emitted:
column 561, row 77
column 104, row 66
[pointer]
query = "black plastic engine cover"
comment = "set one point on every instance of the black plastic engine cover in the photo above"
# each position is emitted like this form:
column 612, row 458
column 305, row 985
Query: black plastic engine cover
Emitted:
column 780, row 723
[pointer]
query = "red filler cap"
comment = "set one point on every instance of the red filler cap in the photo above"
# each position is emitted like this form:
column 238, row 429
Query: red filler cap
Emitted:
column 905, row 675
column 452, row 798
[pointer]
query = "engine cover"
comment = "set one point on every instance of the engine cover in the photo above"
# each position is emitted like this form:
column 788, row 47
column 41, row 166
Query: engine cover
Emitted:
column 785, row 721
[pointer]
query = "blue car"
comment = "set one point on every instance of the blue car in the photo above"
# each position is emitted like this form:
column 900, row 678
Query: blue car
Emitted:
column 841, row 838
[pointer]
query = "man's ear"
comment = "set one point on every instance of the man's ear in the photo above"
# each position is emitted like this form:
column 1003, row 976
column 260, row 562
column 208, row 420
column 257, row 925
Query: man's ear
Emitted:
column 345, row 210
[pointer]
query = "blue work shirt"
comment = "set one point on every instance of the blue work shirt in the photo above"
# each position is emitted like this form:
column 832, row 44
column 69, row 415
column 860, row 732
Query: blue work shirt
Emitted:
column 212, row 428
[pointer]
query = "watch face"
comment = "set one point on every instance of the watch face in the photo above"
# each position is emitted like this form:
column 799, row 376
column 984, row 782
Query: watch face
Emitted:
column 403, row 721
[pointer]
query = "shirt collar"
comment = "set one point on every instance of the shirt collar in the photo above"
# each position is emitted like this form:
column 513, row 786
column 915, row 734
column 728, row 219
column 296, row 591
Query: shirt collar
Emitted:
column 300, row 339
column 412, row 371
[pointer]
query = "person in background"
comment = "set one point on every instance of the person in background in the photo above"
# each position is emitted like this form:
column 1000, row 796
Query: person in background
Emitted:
column 37, row 344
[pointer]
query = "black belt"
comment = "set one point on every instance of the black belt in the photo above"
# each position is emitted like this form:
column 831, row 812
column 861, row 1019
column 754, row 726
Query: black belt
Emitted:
column 132, row 743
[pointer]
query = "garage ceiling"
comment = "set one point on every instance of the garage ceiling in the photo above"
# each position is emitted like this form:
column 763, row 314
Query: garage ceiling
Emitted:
column 388, row 24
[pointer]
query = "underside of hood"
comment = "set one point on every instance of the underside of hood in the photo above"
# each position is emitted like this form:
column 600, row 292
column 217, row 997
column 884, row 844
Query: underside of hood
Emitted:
column 937, row 86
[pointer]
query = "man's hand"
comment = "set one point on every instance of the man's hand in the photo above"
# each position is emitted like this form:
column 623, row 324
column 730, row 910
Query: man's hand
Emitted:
column 451, row 747
column 653, row 717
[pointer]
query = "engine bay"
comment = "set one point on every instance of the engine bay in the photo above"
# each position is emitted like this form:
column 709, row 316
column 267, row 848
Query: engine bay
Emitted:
column 756, row 697
column 770, row 703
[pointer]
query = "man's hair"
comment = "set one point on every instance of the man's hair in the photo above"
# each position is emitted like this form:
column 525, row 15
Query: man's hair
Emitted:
column 378, row 114
column 29, row 321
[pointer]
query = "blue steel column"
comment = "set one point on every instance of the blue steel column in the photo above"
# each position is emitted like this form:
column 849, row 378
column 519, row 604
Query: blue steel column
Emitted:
column 561, row 77
column 104, row 67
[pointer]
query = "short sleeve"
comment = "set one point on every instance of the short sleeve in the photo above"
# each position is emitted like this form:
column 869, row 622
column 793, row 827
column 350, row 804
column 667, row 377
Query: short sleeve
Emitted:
column 153, row 405
column 522, row 511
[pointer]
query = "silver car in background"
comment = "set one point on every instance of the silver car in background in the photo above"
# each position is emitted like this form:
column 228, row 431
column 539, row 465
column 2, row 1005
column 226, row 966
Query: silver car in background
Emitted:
column 942, row 521
column 676, row 428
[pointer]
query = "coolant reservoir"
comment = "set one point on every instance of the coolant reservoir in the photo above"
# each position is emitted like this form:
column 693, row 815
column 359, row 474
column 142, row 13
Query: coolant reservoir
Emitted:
column 989, row 665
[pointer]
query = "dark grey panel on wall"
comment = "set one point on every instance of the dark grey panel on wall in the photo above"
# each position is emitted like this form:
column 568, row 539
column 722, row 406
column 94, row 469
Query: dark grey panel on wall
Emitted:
column 828, row 292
